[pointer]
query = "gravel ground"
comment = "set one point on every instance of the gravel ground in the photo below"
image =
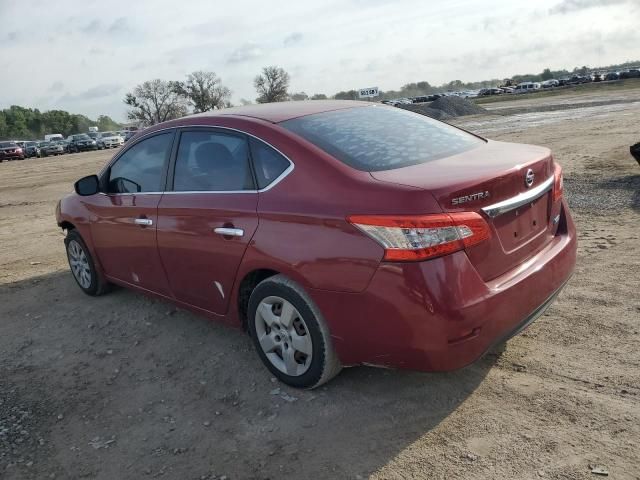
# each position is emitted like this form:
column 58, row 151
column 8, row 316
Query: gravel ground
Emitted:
column 127, row 387
column 590, row 193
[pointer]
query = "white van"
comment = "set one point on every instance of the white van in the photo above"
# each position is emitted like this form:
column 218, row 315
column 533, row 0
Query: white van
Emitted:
column 526, row 87
column 53, row 137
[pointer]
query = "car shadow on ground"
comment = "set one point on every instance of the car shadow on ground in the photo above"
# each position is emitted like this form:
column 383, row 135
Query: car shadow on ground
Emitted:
column 124, row 386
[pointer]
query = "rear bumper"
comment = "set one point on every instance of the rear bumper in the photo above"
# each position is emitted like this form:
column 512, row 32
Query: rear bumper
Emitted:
column 440, row 315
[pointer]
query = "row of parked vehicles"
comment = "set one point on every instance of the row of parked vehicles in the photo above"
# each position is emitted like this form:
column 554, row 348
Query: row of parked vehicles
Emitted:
column 56, row 144
column 524, row 87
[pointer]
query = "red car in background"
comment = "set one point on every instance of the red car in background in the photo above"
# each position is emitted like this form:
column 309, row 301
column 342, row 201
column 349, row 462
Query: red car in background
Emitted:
column 11, row 151
column 336, row 233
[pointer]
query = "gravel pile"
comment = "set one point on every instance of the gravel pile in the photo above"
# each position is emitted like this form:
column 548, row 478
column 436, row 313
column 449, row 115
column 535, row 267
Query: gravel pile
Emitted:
column 596, row 195
column 445, row 108
column 457, row 107
column 429, row 112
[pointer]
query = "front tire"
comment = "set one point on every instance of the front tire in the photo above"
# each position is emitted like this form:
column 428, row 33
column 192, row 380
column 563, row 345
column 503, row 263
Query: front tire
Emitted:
column 290, row 334
column 82, row 266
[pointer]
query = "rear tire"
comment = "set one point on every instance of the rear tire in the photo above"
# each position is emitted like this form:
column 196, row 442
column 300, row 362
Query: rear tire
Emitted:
column 83, row 267
column 290, row 334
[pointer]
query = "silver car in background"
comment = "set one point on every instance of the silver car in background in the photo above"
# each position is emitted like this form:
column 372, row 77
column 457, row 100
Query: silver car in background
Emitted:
column 111, row 139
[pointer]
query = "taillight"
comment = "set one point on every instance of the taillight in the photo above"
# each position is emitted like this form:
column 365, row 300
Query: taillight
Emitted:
column 406, row 237
column 558, row 183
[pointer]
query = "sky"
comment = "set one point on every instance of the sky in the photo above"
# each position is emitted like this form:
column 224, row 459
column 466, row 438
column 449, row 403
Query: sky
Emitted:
column 84, row 56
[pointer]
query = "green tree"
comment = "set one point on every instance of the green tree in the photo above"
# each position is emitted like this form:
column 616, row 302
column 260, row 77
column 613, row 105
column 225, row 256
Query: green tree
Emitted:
column 272, row 85
column 546, row 74
column 299, row 96
column 319, row 96
column 105, row 123
column 3, row 125
column 348, row 95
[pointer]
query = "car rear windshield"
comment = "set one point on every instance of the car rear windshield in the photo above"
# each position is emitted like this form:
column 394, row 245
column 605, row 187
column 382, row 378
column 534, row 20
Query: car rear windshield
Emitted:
column 381, row 138
column 7, row 144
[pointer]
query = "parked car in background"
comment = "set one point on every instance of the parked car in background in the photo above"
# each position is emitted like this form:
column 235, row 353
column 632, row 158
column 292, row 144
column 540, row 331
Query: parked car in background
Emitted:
column 111, row 139
column 98, row 139
column 48, row 149
column 631, row 73
column 42, row 145
column 490, row 91
column 11, row 151
column 81, row 142
column 612, row 76
column 130, row 134
column 53, row 137
column 66, row 145
column 578, row 80
column 31, row 149
column 596, row 77
column 552, row 82
column 527, row 87
column 436, row 244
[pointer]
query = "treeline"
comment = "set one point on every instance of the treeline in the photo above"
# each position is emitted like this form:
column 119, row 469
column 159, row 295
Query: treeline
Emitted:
column 424, row 88
column 20, row 123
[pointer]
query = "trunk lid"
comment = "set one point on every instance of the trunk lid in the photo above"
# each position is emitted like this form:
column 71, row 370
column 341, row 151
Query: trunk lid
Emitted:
column 485, row 176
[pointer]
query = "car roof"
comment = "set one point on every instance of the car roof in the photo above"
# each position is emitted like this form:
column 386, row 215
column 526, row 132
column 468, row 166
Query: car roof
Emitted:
column 281, row 111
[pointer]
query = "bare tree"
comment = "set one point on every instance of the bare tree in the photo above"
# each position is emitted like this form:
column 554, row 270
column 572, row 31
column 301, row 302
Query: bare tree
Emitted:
column 272, row 85
column 205, row 91
column 155, row 101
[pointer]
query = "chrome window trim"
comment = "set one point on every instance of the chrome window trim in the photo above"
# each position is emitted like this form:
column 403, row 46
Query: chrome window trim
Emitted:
column 519, row 200
column 275, row 181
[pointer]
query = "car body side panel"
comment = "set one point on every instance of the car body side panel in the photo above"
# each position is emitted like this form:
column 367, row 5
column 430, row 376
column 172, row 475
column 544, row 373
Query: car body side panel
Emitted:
column 127, row 251
column 201, row 265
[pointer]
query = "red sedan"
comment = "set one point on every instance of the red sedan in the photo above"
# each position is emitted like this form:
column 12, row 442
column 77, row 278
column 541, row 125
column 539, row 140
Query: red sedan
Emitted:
column 336, row 233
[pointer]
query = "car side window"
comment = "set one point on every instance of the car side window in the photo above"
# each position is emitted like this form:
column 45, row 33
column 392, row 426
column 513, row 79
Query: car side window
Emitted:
column 268, row 163
column 209, row 161
column 141, row 167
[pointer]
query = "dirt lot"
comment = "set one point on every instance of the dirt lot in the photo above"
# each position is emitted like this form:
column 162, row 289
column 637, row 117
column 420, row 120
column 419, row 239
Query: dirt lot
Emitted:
column 124, row 387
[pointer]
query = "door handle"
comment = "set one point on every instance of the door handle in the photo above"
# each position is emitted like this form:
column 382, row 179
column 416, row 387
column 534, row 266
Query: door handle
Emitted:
column 229, row 232
column 145, row 222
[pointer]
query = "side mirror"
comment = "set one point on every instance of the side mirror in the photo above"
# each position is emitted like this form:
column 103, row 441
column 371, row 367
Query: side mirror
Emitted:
column 87, row 186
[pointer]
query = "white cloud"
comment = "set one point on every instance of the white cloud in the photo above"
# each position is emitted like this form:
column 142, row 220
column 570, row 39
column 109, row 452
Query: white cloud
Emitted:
column 96, row 52
column 568, row 6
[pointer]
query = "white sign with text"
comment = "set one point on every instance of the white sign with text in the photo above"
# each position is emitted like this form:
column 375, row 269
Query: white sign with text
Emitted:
column 368, row 92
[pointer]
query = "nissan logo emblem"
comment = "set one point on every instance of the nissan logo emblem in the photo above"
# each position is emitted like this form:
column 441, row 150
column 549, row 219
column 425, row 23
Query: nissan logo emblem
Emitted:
column 528, row 178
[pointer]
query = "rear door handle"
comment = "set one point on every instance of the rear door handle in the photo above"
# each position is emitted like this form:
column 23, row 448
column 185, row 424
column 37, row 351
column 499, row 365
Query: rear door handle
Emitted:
column 229, row 232
column 143, row 221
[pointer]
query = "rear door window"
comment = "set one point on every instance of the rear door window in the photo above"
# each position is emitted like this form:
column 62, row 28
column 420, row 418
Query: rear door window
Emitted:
column 211, row 161
column 268, row 163
column 375, row 138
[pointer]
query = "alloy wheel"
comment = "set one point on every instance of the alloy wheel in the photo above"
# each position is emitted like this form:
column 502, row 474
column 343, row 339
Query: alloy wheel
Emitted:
column 79, row 264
